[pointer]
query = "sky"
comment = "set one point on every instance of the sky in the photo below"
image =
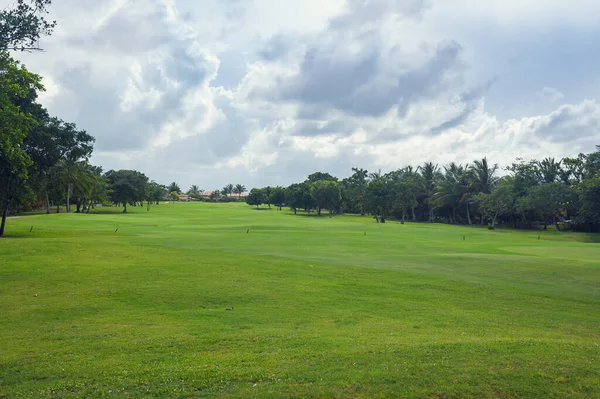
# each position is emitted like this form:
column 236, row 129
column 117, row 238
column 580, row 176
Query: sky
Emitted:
column 265, row 92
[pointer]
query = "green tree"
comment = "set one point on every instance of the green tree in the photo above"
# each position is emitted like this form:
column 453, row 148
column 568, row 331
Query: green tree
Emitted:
column 18, row 88
column 327, row 195
column 126, row 186
column 380, row 196
column 239, row 189
column 431, row 175
column 294, row 196
column 194, row 191
column 549, row 201
column 355, row 191
column 317, row 176
column 589, row 193
column 498, row 202
column 22, row 25
column 277, row 196
column 256, row 197
column 155, row 192
column 174, row 187
column 227, row 190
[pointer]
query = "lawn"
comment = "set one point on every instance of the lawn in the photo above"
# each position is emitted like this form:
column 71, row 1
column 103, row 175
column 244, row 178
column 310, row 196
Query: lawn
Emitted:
column 340, row 308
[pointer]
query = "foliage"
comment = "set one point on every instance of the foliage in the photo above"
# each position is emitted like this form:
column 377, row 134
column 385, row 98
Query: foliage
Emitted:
column 174, row 187
column 277, row 197
column 256, row 197
column 127, row 186
column 326, row 194
column 22, row 25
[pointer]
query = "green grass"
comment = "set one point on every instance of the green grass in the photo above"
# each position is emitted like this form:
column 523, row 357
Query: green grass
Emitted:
column 341, row 308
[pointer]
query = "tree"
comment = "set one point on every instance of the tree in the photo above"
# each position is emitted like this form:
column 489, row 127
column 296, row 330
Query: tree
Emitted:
column 294, row 196
column 453, row 190
column 431, row 175
column 267, row 195
column 549, row 170
column 50, row 141
column 126, row 186
column 75, row 175
column 18, row 89
column 407, row 187
column 22, row 25
column 589, row 193
column 155, row 192
column 174, row 187
column 194, row 192
column 277, row 197
column 498, row 202
column 239, row 189
column 380, row 196
column 174, row 196
column 317, row 176
column 227, row 190
column 327, row 195
column 256, row 197
column 548, row 200
column 355, row 193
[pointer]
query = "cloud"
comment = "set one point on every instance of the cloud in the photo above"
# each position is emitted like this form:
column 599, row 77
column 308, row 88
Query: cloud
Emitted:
column 550, row 94
column 261, row 92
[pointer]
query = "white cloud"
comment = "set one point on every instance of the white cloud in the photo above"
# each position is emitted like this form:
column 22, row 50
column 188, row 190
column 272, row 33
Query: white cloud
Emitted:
column 263, row 92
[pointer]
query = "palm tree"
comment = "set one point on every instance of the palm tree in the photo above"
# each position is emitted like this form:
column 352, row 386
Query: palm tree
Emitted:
column 453, row 189
column 227, row 190
column 484, row 177
column 431, row 174
column 77, row 175
column 194, row 191
column 239, row 189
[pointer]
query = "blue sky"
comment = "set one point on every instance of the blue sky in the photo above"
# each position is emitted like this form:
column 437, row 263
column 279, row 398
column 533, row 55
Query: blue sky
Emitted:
column 265, row 92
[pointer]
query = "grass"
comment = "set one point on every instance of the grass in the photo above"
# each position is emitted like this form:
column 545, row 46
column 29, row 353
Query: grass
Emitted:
column 341, row 308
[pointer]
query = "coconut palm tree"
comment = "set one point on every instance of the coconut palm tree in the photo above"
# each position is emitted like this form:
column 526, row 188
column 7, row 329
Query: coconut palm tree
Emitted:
column 431, row 175
column 239, row 189
column 483, row 176
column 227, row 190
column 194, row 191
column 453, row 189
column 75, row 175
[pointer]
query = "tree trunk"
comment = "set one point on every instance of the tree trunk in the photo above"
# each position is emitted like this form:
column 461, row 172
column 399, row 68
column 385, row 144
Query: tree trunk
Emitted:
column 403, row 216
column 57, row 208
column 414, row 217
column 4, row 216
column 494, row 220
column 148, row 206
column 78, row 207
column 330, row 213
column 319, row 211
column 469, row 215
column 124, row 207
column 69, row 198
column 256, row 206
column 482, row 218
column 47, row 205
column 295, row 210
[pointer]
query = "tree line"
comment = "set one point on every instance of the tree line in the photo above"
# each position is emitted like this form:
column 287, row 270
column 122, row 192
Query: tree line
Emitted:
column 228, row 193
column 564, row 193
column 44, row 161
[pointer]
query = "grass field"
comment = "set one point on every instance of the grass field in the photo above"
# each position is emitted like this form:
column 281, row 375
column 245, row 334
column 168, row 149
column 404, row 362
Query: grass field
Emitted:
column 341, row 308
